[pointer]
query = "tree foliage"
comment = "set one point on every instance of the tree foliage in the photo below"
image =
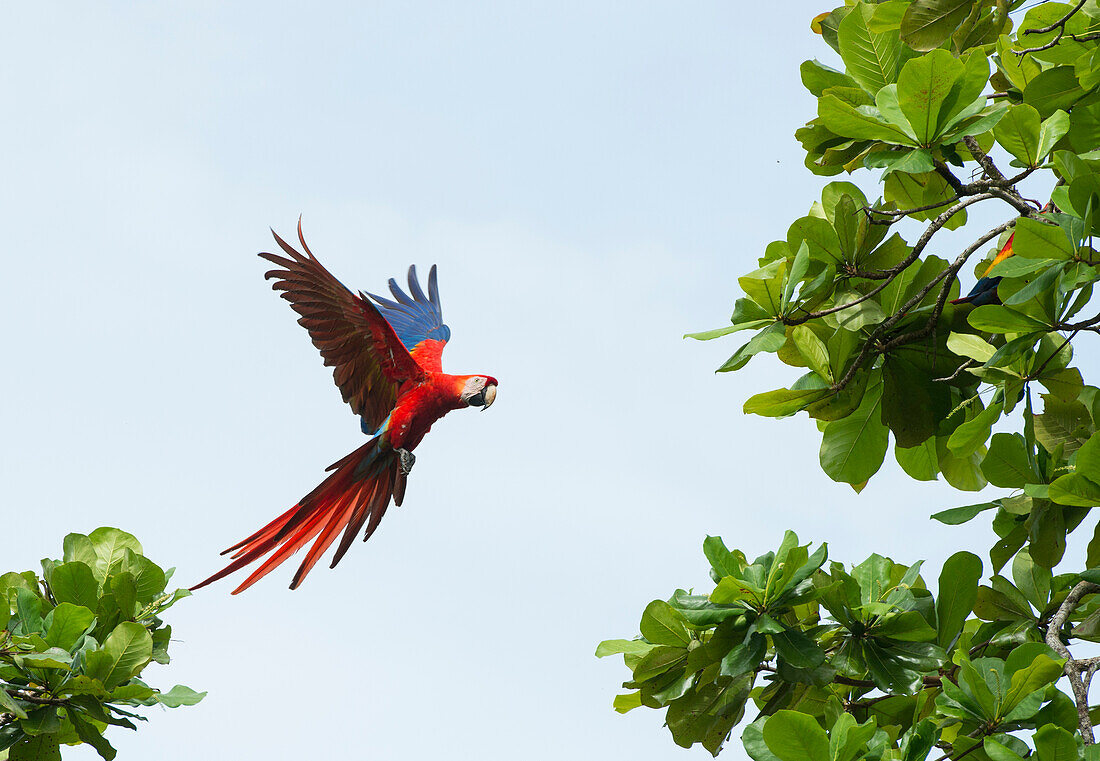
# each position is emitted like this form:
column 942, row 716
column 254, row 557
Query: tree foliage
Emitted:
column 945, row 104
column 74, row 641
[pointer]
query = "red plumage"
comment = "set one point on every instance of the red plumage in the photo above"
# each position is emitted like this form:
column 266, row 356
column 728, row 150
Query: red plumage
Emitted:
column 386, row 361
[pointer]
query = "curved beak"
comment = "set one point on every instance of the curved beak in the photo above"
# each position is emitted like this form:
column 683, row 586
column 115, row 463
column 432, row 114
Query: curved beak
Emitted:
column 489, row 396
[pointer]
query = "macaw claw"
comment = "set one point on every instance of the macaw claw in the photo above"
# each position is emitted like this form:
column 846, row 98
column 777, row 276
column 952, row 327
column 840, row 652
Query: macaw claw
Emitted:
column 408, row 459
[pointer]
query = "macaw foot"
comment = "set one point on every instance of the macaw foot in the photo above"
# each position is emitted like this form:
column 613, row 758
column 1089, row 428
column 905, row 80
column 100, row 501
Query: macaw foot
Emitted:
column 408, row 459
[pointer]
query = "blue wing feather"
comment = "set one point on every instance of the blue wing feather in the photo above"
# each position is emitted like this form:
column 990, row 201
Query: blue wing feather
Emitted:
column 414, row 318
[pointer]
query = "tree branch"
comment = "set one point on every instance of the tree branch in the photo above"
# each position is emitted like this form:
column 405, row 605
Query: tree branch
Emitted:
column 1074, row 668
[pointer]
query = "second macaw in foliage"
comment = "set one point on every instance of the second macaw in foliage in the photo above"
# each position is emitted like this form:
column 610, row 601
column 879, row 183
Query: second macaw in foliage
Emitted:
column 985, row 290
column 386, row 357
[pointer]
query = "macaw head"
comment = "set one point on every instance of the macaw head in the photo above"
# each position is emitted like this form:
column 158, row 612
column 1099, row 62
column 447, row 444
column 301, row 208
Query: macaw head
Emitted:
column 479, row 391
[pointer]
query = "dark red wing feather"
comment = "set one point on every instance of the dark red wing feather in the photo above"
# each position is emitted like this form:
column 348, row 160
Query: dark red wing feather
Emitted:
column 368, row 359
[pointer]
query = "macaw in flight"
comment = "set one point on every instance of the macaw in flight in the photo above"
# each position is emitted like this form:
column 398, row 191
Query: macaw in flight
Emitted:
column 386, row 357
column 985, row 290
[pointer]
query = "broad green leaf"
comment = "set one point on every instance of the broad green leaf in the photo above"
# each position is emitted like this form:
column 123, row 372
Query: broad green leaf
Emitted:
column 1018, row 133
column 1075, row 490
column 958, row 515
column 965, row 440
column 998, row 752
column 920, row 462
column 927, row 23
column 817, row 77
column 970, row 346
column 90, row 734
column 1007, row 463
column 1036, row 240
column 124, row 653
column 783, row 402
column 797, row 649
column 813, row 350
column 992, row 318
column 958, row 590
column 79, row 547
column 923, row 86
column 110, row 545
column 1043, row 670
column 627, row 702
column 853, row 448
column 662, row 625
column 861, row 123
column 1053, row 90
column 1032, row 580
column 1053, row 129
column 1019, row 70
column 1055, row 744
column 74, row 582
column 870, row 58
column 623, row 647
column 37, row 748
column 770, row 339
column 68, row 622
column 8, row 705
column 796, row 736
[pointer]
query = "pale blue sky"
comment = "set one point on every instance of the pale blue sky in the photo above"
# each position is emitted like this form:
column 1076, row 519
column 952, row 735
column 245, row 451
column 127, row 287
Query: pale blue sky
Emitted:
column 590, row 177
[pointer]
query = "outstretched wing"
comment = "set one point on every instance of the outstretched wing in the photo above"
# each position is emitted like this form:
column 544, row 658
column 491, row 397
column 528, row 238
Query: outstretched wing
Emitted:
column 417, row 319
column 368, row 360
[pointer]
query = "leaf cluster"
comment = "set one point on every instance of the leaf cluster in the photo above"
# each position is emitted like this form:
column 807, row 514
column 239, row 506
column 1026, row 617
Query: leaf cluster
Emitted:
column 858, row 663
column 74, row 641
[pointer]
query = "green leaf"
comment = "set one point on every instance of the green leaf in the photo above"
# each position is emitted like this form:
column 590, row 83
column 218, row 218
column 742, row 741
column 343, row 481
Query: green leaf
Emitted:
column 627, row 702
column 110, row 545
column 8, row 704
column 928, row 23
column 1053, row 129
column 724, row 562
column 969, row 436
column 870, row 58
column 813, row 350
column 1036, row 240
column 783, row 402
column 1043, row 670
column 74, row 582
column 992, row 318
column 68, row 622
column 622, row 647
column 797, row 649
column 958, row 590
column 89, row 734
column 998, row 752
column 817, row 77
column 923, row 86
column 796, row 736
column 1055, row 744
column 920, row 462
column 958, row 515
column 662, row 625
column 770, row 339
column 970, row 346
column 1033, row 580
column 1075, row 490
column 1052, row 90
column 1018, row 133
column 39, row 748
column 1007, row 463
column 179, row 696
column 79, row 547
column 125, row 652
column 853, row 448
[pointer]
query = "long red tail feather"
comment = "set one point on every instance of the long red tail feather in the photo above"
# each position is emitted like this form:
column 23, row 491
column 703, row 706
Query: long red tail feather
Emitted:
column 360, row 487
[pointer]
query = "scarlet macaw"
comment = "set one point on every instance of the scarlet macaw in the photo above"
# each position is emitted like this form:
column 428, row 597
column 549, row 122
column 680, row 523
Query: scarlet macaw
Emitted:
column 387, row 364
column 985, row 290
